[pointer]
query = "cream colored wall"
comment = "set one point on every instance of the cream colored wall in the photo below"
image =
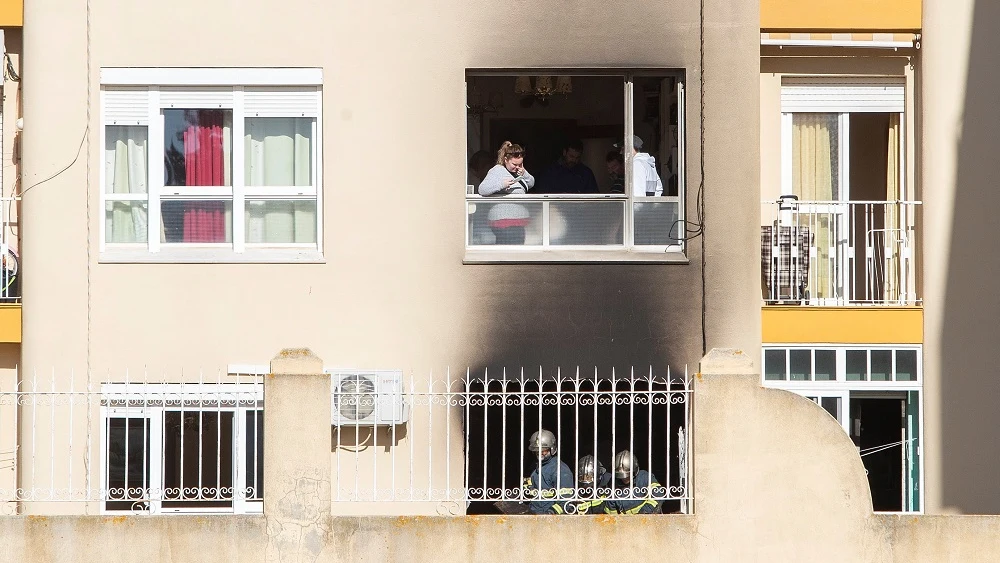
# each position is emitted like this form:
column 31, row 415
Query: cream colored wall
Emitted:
column 393, row 292
column 959, row 177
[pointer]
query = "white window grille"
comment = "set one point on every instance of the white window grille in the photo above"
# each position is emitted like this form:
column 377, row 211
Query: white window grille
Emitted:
column 132, row 446
column 464, row 446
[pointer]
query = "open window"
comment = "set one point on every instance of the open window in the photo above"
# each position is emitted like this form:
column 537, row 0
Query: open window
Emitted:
column 605, row 152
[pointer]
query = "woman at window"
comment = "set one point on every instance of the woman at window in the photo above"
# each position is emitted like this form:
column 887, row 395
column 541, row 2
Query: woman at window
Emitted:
column 508, row 220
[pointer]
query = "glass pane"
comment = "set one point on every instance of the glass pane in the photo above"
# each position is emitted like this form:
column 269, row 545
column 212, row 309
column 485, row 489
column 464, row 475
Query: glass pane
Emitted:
column 826, row 365
column 906, row 365
column 125, row 221
column 912, row 451
column 657, row 223
column 128, row 463
column 774, row 365
column 276, row 221
column 197, row 458
column 857, row 365
column 815, row 156
column 198, row 147
column 881, row 365
column 654, row 122
column 254, row 449
column 505, row 222
column 196, row 221
column 832, row 406
column 125, row 159
column 279, row 151
column 586, row 222
column 800, row 367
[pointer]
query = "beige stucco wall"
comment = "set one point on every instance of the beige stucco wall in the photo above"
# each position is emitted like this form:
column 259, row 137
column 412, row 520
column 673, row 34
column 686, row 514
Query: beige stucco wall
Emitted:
column 775, row 477
column 393, row 292
column 959, row 179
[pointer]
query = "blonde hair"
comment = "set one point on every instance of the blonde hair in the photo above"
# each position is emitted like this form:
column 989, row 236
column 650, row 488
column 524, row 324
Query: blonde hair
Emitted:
column 509, row 150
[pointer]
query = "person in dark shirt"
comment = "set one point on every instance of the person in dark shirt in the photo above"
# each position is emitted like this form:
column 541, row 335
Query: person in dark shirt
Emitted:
column 568, row 175
column 616, row 171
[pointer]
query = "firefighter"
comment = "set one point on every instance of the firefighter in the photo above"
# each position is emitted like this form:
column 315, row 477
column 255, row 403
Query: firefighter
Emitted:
column 550, row 480
column 639, row 491
column 593, row 486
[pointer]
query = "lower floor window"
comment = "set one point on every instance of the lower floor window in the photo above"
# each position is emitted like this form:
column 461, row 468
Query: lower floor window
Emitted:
column 177, row 455
column 874, row 393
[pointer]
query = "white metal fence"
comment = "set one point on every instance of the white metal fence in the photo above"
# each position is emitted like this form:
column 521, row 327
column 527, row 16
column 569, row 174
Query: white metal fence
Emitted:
column 465, row 444
column 130, row 446
column 834, row 253
column 72, row 443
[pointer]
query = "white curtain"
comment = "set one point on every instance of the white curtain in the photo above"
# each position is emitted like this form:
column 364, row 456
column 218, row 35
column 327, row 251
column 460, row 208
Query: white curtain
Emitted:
column 891, row 285
column 279, row 151
column 277, row 222
column 815, row 177
column 125, row 163
column 279, row 154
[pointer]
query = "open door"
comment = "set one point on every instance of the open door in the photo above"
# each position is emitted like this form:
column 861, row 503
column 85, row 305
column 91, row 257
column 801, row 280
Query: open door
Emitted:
column 885, row 428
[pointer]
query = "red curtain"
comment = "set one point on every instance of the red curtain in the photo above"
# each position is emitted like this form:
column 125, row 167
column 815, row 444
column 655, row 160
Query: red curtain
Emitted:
column 205, row 221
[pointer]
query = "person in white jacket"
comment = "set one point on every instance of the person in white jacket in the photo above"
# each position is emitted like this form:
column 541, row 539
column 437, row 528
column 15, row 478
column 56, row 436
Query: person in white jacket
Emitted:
column 508, row 220
column 645, row 178
column 648, row 222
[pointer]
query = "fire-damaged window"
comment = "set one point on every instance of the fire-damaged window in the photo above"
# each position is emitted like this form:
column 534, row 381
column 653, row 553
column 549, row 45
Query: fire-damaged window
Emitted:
column 571, row 161
column 578, row 445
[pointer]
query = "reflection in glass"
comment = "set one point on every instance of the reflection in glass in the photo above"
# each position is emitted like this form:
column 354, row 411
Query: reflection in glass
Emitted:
column 586, row 222
column 774, row 365
column 198, row 147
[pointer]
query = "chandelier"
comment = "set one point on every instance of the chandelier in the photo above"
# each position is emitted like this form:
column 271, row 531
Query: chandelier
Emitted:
column 544, row 86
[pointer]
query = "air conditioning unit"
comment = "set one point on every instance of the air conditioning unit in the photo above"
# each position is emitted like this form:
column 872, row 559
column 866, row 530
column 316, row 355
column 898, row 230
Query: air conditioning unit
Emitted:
column 368, row 398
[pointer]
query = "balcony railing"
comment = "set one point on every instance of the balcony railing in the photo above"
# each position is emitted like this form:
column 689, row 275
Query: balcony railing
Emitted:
column 572, row 221
column 10, row 283
column 839, row 253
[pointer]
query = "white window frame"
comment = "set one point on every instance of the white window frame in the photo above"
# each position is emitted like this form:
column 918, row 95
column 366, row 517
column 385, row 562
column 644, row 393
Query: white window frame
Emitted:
column 215, row 88
column 847, row 390
column 668, row 253
column 841, row 96
column 138, row 408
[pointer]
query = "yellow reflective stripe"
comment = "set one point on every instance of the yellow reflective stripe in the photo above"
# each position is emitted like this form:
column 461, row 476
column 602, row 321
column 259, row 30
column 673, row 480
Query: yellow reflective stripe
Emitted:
column 566, row 492
column 557, row 509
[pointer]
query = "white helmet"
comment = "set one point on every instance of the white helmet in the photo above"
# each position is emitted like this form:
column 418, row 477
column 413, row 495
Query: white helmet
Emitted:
column 542, row 440
column 589, row 470
column 626, row 465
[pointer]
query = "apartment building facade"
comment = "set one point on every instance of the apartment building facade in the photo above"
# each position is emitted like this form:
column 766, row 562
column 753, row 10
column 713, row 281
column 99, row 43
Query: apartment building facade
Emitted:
column 368, row 242
column 298, row 176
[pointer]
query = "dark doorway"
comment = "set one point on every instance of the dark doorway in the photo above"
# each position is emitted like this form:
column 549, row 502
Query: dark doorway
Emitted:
column 878, row 428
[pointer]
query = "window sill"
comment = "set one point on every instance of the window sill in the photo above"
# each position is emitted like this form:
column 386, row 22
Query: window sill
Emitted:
column 620, row 256
column 212, row 256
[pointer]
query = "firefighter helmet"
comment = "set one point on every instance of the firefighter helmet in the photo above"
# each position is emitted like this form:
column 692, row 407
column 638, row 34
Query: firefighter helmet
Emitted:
column 589, row 470
column 626, row 465
column 542, row 440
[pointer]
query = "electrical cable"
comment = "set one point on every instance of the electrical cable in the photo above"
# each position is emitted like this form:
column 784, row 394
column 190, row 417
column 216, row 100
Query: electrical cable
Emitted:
column 700, row 198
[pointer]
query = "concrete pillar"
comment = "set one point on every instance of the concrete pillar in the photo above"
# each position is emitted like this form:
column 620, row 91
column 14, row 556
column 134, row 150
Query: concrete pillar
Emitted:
column 296, row 456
